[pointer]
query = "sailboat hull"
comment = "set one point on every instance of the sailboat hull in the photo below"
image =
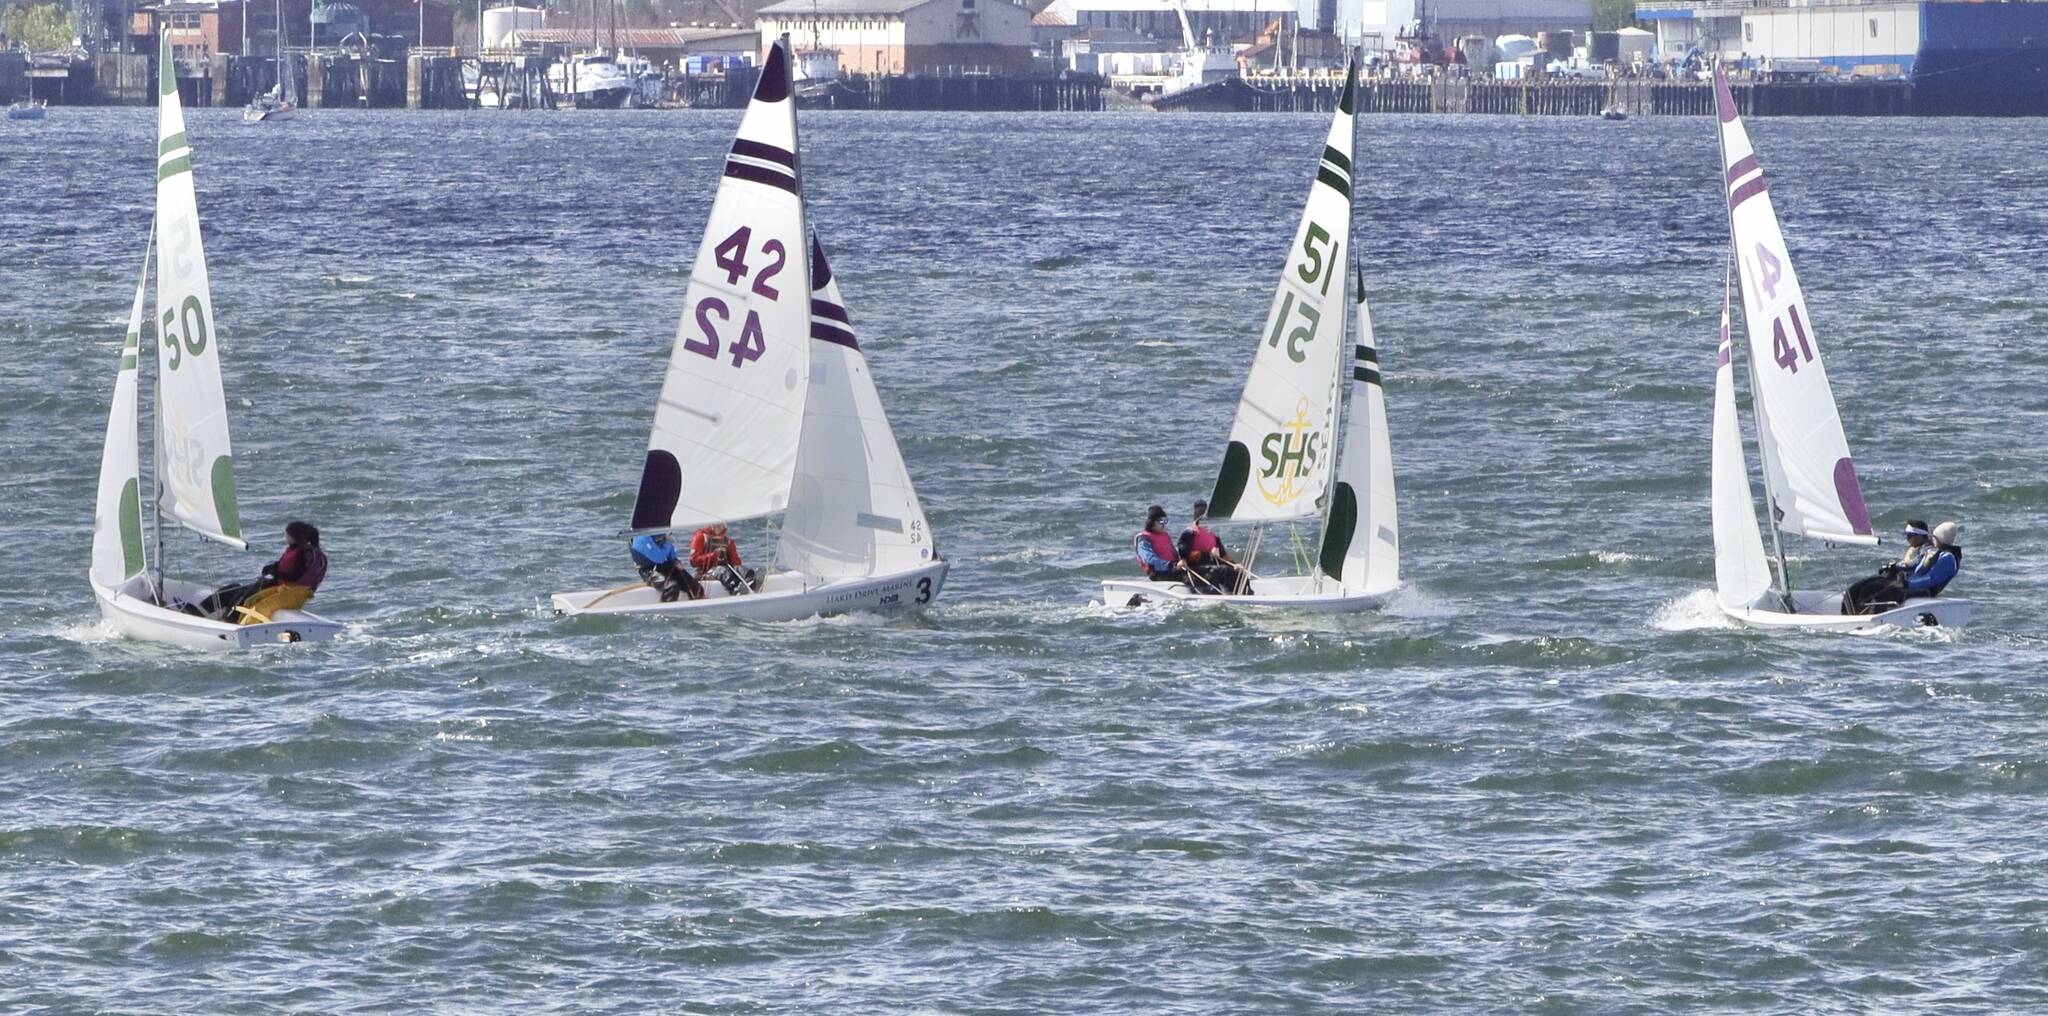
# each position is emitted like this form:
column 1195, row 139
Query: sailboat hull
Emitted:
column 782, row 597
column 1304, row 594
column 1821, row 611
column 128, row 611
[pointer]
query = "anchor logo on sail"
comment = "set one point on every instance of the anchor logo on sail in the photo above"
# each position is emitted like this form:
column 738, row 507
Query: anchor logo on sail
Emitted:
column 1289, row 457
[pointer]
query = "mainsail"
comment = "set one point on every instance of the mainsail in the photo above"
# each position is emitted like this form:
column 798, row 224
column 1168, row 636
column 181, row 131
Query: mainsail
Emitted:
column 852, row 511
column 1741, row 572
column 724, row 444
column 1809, row 481
column 117, row 548
column 1361, row 537
column 197, row 469
column 1278, row 461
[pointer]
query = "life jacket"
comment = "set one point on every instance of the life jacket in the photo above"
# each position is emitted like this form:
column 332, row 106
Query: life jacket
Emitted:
column 1957, row 553
column 1201, row 541
column 310, row 567
column 1162, row 545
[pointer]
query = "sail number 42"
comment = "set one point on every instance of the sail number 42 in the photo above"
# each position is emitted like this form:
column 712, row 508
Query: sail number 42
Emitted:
column 731, row 258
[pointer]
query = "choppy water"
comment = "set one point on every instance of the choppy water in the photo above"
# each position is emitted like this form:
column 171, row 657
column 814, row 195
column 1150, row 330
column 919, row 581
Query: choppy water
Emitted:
column 1545, row 780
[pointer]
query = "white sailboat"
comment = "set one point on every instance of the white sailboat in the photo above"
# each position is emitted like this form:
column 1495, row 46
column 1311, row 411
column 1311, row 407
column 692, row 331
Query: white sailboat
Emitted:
column 1810, row 484
column 1288, row 417
column 768, row 408
column 194, row 464
column 281, row 102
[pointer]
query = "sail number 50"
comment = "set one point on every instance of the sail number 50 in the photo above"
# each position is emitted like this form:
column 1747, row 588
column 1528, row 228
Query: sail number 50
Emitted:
column 731, row 257
column 191, row 317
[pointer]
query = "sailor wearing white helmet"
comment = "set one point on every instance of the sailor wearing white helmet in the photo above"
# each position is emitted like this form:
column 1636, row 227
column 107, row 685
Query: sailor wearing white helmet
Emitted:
column 1935, row 571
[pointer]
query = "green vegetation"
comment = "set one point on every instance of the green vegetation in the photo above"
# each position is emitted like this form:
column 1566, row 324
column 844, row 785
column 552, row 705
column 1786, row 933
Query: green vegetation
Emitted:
column 1609, row 15
column 40, row 27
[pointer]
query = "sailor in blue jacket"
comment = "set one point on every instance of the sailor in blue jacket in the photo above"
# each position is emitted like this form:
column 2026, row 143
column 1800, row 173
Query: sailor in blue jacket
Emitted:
column 1935, row 571
column 655, row 558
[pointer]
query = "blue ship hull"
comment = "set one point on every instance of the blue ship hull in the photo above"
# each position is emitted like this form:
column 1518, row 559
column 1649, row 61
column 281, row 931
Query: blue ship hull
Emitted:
column 1982, row 59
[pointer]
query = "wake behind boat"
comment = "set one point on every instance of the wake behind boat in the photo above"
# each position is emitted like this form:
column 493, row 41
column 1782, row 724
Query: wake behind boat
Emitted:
column 194, row 473
column 1810, row 483
column 768, row 408
column 1289, row 415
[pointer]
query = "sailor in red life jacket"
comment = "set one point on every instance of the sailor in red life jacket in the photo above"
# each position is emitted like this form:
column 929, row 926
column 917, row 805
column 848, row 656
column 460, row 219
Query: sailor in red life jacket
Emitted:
column 286, row 583
column 1155, row 551
column 1208, row 561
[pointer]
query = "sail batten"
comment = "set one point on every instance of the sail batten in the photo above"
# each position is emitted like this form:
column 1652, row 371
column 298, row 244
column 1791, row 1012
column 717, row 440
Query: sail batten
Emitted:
column 1281, row 451
column 1811, row 487
column 723, row 446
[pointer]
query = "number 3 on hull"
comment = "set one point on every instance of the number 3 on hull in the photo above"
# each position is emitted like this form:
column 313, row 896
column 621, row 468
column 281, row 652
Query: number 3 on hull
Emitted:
column 1284, row 461
column 768, row 408
column 1810, row 484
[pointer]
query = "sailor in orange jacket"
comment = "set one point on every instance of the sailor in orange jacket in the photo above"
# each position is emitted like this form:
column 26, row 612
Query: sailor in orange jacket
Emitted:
column 714, row 554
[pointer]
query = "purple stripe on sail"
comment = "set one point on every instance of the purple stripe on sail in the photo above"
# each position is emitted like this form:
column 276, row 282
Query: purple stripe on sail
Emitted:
column 1851, row 494
column 1755, row 186
column 1742, row 165
column 834, row 334
column 828, row 309
column 760, row 174
column 765, row 152
column 1724, row 100
column 1722, row 360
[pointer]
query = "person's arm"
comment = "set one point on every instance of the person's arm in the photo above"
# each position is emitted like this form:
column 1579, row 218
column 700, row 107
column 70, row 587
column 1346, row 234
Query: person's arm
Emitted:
column 1929, row 576
column 701, row 557
column 732, row 554
column 1186, row 545
column 1151, row 557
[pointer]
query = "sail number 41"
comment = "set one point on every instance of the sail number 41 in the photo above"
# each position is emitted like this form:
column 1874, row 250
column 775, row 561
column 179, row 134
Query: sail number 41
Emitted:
column 731, row 257
column 1769, row 270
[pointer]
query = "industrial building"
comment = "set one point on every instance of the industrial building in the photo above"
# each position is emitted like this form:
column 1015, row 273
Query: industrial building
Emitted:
column 1980, row 58
column 1213, row 20
column 906, row 36
column 1382, row 21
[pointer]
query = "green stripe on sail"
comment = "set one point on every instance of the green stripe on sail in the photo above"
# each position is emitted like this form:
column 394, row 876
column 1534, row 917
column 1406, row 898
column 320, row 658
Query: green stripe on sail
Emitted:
column 1337, row 532
column 224, row 507
column 167, row 69
column 1237, row 469
column 171, row 144
column 131, row 528
column 181, row 164
column 128, row 361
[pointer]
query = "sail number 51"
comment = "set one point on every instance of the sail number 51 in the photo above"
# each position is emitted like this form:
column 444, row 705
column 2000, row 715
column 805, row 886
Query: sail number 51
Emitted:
column 731, row 257
column 1319, row 267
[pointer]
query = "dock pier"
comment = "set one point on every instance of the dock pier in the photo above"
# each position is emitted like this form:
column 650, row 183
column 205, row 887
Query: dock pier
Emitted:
column 1318, row 93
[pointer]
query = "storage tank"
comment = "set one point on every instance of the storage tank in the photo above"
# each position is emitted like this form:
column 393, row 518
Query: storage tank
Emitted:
column 501, row 22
